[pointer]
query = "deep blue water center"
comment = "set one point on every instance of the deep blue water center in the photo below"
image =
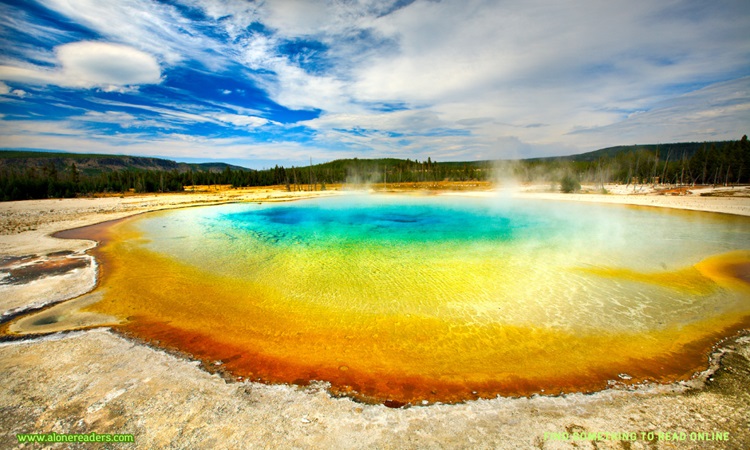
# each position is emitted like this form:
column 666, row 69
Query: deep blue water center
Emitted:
column 392, row 220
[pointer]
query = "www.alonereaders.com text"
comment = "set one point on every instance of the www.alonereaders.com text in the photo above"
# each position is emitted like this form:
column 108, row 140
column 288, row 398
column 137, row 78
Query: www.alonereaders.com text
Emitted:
column 89, row 437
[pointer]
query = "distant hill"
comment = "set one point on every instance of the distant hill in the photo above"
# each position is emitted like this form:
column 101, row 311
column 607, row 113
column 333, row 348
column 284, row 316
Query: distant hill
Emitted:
column 364, row 165
column 92, row 164
column 673, row 150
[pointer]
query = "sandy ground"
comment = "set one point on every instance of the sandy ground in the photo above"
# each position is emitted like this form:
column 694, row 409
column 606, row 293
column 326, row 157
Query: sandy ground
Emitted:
column 97, row 380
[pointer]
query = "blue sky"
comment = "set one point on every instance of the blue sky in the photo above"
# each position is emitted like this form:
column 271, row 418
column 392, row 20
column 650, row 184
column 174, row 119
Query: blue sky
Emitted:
column 283, row 81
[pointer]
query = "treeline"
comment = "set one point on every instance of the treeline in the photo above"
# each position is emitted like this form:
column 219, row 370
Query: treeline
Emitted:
column 725, row 164
column 48, row 181
column 386, row 170
column 18, row 183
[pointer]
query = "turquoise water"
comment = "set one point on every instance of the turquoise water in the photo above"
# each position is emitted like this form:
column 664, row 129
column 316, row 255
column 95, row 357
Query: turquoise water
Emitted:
column 640, row 238
column 484, row 259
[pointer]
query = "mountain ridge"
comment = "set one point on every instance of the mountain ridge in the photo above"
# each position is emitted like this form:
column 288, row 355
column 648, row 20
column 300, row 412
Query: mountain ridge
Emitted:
column 91, row 163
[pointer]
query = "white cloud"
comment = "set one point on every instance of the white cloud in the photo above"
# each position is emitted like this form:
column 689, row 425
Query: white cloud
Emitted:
column 603, row 52
column 37, row 129
column 300, row 17
column 15, row 22
column 122, row 119
column 290, row 85
column 29, row 75
column 237, row 109
column 720, row 111
column 235, row 15
column 406, row 121
column 177, row 116
column 105, row 64
column 91, row 64
column 6, row 90
column 242, row 121
column 321, row 18
column 156, row 28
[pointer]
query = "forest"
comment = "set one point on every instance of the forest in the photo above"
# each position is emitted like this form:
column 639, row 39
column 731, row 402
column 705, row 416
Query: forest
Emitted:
column 33, row 175
column 711, row 163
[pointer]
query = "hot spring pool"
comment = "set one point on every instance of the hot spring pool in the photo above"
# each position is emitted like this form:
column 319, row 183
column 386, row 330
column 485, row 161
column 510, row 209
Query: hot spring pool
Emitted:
column 442, row 298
